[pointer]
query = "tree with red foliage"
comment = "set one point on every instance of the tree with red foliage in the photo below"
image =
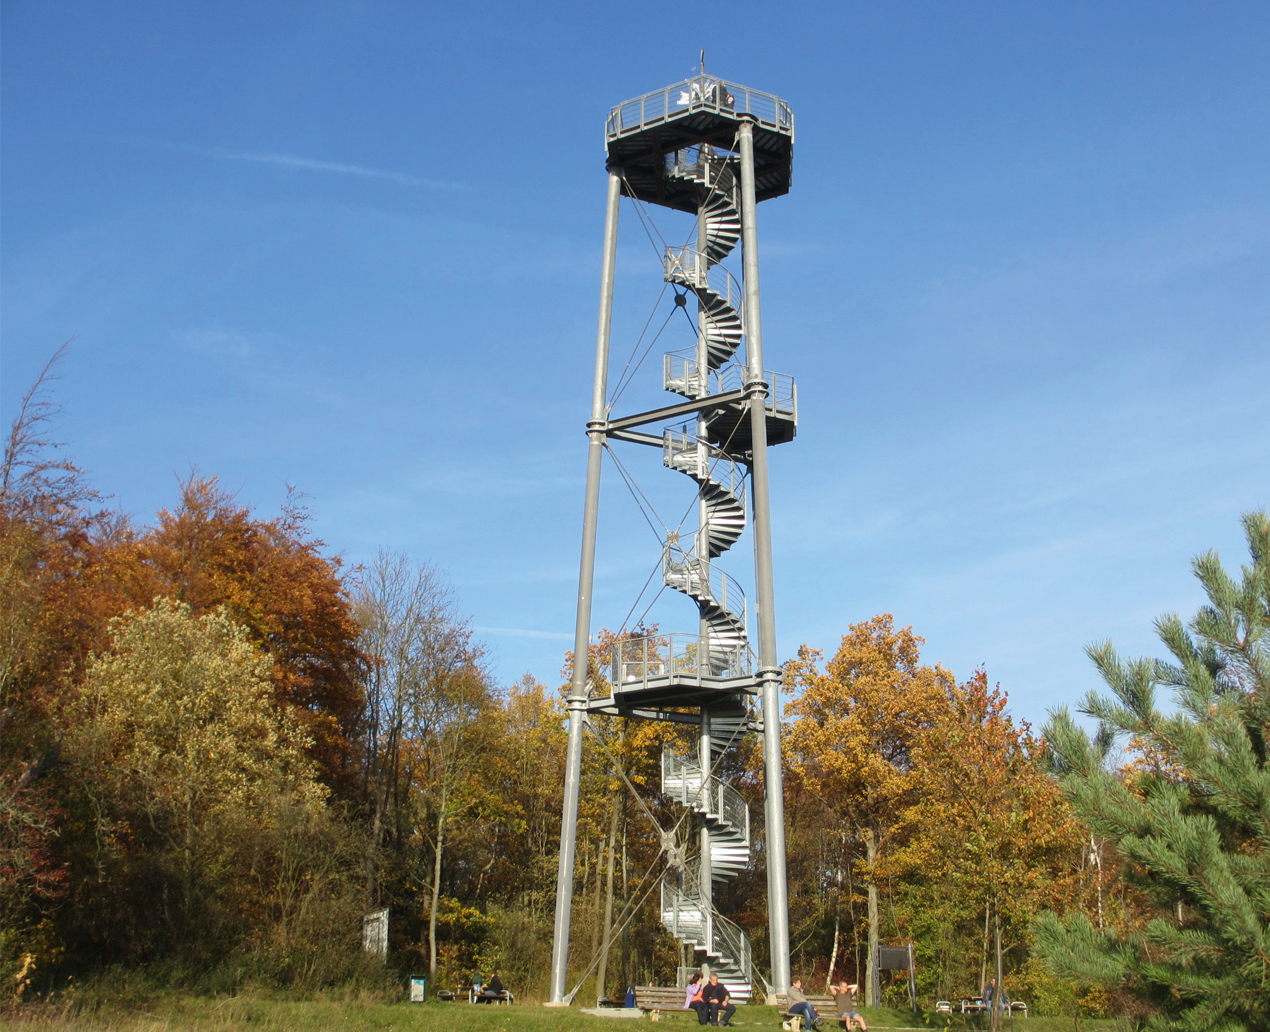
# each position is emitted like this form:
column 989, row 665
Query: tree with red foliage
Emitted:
column 274, row 580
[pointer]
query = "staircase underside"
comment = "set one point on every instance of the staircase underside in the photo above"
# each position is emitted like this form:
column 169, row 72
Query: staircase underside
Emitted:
column 677, row 690
column 641, row 155
column 729, row 427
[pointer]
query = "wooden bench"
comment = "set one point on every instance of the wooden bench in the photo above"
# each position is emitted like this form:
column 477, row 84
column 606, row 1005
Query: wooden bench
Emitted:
column 824, row 1006
column 659, row 997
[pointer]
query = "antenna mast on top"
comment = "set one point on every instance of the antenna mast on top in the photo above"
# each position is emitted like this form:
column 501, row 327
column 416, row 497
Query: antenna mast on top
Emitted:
column 703, row 61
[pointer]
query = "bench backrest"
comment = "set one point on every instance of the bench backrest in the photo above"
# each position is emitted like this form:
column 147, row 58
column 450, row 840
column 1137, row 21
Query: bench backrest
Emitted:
column 821, row 1003
column 659, row 997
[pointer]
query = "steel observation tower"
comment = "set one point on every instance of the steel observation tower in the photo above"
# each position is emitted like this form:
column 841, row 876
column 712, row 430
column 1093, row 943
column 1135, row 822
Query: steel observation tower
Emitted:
column 714, row 149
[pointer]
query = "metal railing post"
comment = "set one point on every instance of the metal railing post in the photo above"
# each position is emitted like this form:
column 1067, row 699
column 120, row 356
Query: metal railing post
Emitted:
column 769, row 674
column 582, row 630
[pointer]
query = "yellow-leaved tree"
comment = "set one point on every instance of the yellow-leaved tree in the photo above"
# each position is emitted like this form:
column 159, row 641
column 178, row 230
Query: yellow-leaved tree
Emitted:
column 190, row 760
column 850, row 743
column 988, row 840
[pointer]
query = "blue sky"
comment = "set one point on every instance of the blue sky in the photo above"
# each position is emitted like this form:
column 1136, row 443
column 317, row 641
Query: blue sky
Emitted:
column 1021, row 279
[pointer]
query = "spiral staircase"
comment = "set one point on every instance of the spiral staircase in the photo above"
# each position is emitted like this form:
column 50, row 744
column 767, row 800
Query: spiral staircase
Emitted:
column 687, row 907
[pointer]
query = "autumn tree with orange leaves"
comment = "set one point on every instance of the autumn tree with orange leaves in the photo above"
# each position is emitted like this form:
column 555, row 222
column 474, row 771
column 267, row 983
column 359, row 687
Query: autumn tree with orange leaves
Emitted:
column 855, row 725
column 987, row 837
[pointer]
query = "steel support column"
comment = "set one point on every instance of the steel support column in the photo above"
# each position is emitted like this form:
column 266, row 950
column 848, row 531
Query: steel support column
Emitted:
column 769, row 672
column 582, row 632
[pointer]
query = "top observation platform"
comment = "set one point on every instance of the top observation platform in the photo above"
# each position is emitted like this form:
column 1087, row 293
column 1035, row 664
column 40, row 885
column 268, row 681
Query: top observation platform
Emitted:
column 643, row 135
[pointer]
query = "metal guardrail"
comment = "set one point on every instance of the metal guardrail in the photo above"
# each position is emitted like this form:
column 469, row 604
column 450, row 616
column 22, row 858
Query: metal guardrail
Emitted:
column 636, row 662
column 702, row 162
column 679, row 372
column 729, row 941
column 681, row 779
column 684, row 917
column 690, row 267
column 686, row 452
column 703, row 93
column 704, row 581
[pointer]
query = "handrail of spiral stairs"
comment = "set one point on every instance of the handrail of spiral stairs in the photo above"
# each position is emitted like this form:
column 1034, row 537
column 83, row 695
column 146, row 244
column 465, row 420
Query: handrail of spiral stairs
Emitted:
column 682, row 449
column 705, row 581
column 691, row 268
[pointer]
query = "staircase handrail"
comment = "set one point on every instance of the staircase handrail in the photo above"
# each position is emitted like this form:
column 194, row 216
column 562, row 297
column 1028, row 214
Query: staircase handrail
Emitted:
column 715, row 166
column 701, row 272
column 713, row 583
column 720, row 467
column 718, row 798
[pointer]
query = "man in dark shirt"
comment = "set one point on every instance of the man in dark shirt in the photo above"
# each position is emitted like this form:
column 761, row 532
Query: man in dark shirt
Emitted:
column 719, row 1000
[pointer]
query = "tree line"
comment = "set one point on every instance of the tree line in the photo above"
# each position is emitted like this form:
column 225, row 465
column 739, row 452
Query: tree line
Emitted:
column 221, row 747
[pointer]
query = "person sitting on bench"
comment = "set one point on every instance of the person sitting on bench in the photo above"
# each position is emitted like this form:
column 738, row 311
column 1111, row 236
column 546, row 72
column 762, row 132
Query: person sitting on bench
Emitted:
column 844, row 998
column 798, row 1004
column 719, row 1000
column 695, row 999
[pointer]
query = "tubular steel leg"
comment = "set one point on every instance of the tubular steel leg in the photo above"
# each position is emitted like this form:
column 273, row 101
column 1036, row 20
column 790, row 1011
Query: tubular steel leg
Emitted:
column 769, row 673
column 705, row 872
column 582, row 635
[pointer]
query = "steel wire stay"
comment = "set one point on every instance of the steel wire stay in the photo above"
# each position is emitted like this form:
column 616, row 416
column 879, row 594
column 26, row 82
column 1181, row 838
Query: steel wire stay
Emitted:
column 662, row 861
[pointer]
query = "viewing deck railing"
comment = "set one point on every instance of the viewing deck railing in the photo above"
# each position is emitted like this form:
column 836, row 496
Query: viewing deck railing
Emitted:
column 680, row 375
column 640, row 662
column 703, row 93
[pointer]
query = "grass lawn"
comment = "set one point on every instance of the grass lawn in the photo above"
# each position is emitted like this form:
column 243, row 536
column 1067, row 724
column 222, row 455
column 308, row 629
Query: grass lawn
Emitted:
column 195, row 1014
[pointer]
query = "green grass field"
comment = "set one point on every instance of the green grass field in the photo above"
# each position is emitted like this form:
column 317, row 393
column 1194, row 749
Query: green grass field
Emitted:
column 195, row 1014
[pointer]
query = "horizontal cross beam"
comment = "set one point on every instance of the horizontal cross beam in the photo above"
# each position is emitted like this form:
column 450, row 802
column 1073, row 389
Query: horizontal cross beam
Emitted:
column 685, row 408
column 646, row 714
column 635, row 437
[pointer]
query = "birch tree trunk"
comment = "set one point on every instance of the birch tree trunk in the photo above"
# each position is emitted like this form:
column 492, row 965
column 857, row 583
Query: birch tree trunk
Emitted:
column 436, row 891
column 833, row 955
column 873, row 990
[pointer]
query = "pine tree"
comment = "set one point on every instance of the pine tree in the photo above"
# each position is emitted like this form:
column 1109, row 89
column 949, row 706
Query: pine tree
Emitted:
column 1190, row 813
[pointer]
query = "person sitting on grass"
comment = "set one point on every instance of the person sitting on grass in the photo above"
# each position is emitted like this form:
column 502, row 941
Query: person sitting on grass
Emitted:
column 798, row 1004
column 844, row 997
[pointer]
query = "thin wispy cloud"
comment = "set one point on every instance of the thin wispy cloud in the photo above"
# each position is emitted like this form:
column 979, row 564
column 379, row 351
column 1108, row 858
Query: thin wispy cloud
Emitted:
column 520, row 632
column 291, row 161
column 298, row 162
